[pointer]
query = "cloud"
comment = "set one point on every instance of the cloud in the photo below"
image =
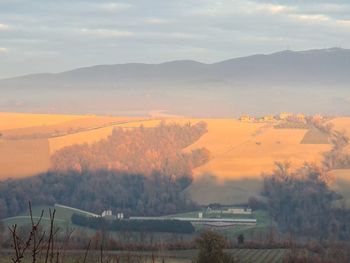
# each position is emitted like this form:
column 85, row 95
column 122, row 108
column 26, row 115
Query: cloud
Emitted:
column 274, row 9
column 112, row 7
column 107, row 33
column 262, row 39
column 150, row 35
column 345, row 23
column 310, row 18
column 3, row 50
column 333, row 9
column 226, row 8
column 85, row 32
column 156, row 21
column 4, row 27
column 171, row 35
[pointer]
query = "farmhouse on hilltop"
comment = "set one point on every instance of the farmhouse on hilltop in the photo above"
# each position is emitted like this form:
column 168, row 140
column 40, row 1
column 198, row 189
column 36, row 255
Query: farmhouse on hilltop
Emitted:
column 285, row 115
column 269, row 118
column 301, row 117
column 246, row 118
column 108, row 215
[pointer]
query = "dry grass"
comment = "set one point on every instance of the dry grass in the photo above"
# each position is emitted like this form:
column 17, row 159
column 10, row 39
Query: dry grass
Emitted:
column 225, row 134
column 65, row 127
column 243, row 150
column 22, row 158
column 23, row 120
column 239, row 150
column 315, row 136
column 21, row 155
column 95, row 135
column 88, row 137
column 342, row 124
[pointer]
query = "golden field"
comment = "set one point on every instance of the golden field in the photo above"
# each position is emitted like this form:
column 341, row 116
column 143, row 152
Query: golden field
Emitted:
column 239, row 150
column 28, row 140
column 341, row 124
column 242, row 150
column 20, row 158
column 10, row 121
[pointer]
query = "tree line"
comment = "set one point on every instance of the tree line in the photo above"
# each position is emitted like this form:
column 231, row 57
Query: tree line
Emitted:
column 139, row 151
column 337, row 157
column 302, row 203
column 96, row 191
column 130, row 225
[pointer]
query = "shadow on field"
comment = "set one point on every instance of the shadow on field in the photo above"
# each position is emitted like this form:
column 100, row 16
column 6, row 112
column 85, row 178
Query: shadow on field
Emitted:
column 208, row 188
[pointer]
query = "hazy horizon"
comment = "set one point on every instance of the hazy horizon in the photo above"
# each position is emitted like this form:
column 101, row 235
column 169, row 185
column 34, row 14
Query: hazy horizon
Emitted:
column 171, row 61
column 38, row 37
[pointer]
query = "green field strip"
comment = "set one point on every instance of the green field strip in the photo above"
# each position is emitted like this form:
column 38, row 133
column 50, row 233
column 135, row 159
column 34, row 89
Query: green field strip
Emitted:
column 237, row 253
column 262, row 255
column 278, row 258
column 256, row 255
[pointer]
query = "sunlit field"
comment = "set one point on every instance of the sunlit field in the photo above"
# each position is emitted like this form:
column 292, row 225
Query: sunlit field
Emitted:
column 238, row 150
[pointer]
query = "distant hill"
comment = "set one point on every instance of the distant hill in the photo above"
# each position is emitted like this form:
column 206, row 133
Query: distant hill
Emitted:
column 313, row 81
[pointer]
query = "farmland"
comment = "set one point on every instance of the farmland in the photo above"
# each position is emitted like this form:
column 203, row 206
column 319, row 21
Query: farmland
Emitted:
column 11, row 121
column 63, row 215
column 23, row 157
column 63, row 221
column 243, row 150
column 240, row 151
column 182, row 256
column 28, row 140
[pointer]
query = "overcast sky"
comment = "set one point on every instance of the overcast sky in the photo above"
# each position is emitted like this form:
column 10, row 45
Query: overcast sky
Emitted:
column 58, row 35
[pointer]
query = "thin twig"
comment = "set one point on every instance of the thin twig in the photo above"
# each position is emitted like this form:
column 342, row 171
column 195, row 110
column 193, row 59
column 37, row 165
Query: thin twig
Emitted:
column 87, row 251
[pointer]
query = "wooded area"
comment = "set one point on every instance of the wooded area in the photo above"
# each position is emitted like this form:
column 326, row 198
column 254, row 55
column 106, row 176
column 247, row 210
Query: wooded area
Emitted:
column 140, row 150
column 302, row 203
column 139, row 172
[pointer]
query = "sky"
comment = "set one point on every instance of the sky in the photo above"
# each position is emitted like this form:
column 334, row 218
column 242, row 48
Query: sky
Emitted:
column 58, row 35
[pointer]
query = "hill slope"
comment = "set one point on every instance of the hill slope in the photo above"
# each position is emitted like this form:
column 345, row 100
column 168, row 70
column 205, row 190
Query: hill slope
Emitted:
column 239, row 151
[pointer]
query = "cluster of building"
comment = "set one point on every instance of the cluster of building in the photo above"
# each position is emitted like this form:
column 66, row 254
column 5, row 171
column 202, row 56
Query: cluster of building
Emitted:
column 283, row 116
column 109, row 215
column 204, row 221
column 230, row 211
column 216, row 221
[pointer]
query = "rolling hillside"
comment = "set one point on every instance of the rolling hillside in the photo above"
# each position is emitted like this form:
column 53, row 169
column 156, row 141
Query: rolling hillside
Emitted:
column 11, row 120
column 20, row 158
column 239, row 150
column 243, row 150
column 27, row 141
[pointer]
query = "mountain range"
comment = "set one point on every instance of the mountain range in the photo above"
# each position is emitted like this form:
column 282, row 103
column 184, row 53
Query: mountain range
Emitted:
column 312, row 81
